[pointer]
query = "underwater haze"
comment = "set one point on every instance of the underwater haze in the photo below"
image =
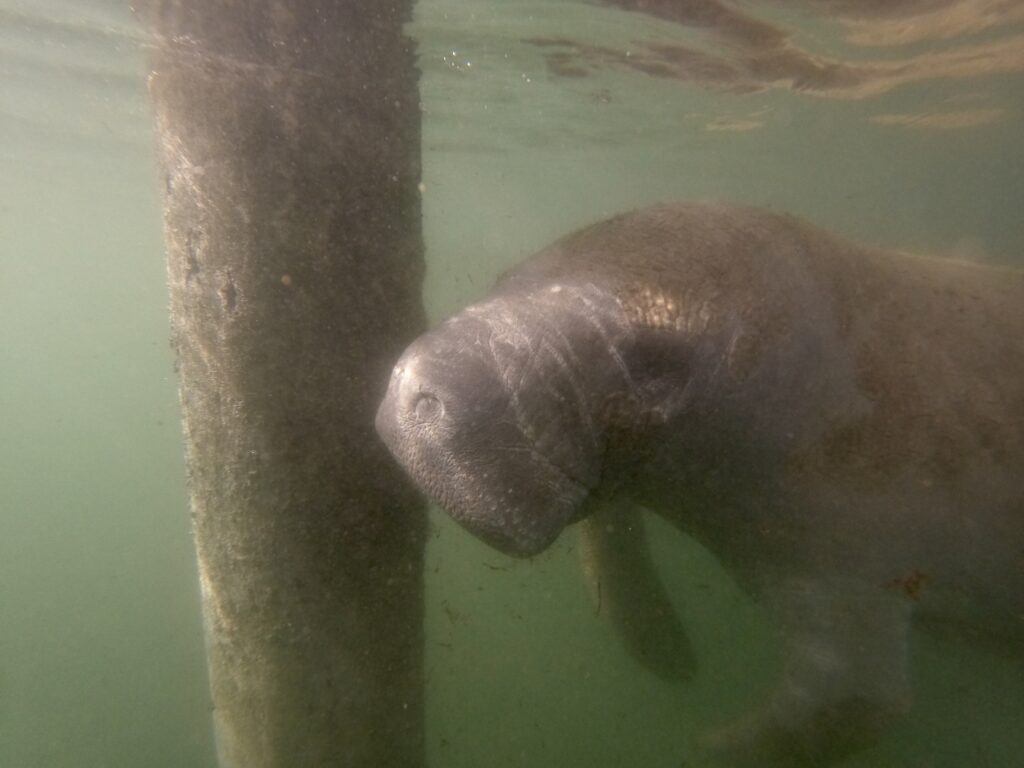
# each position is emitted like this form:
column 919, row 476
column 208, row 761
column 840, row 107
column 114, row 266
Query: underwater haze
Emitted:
column 896, row 124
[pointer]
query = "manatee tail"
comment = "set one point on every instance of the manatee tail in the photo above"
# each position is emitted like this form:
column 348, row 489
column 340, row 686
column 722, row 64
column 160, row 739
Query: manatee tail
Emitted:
column 627, row 591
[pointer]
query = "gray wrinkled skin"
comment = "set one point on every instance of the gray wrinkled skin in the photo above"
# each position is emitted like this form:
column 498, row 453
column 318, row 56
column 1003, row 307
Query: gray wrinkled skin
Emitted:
column 470, row 414
column 843, row 428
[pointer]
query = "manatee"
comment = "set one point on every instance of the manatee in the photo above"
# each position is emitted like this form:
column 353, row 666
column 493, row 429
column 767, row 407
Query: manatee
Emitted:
column 841, row 426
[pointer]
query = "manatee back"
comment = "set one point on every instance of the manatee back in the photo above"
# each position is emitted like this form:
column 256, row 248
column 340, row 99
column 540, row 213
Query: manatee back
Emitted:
column 934, row 347
column 901, row 373
column 673, row 245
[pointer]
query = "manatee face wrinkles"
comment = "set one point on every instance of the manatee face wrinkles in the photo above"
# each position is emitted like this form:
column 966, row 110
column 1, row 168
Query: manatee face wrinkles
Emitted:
column 493, row 413
column 503, row 413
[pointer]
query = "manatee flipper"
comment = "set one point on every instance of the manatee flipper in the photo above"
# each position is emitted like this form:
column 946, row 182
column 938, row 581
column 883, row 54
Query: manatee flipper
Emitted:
column 628, row 592
column 845, row 678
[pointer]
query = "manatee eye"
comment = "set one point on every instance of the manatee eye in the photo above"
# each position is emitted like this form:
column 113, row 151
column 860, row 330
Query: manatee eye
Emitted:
column 427, row 407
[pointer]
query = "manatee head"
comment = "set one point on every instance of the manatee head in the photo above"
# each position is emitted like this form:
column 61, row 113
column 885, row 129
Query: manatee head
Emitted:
column 492, row 417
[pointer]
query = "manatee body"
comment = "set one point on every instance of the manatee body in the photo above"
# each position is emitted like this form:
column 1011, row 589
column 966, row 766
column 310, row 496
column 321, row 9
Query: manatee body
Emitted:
column 842, row 427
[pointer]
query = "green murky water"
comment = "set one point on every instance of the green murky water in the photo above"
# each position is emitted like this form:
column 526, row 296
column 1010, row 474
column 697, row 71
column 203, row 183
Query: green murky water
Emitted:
column 900, row 129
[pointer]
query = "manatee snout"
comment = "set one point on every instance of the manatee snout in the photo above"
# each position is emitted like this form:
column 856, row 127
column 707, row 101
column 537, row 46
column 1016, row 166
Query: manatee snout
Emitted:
column 409, row 404
column 450, row 422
